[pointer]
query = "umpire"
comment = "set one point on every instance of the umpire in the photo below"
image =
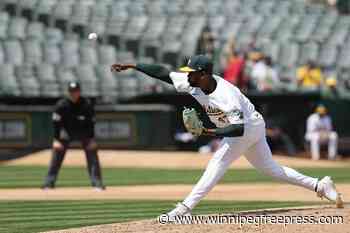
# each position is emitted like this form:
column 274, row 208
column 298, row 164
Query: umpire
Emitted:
column 74, row 119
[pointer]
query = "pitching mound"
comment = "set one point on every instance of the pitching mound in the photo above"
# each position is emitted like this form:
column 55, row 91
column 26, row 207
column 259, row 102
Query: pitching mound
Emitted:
column 320, row 213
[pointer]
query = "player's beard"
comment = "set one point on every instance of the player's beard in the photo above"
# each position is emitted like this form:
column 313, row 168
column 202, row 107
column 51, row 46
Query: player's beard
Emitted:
column 192, row 83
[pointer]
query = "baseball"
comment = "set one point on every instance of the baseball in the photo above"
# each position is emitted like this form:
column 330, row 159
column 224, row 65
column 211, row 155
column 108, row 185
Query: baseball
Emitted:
column 92, row 36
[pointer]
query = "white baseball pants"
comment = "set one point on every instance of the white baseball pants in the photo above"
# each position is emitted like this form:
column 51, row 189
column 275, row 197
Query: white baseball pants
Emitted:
column 254, row 147
column 315, row 143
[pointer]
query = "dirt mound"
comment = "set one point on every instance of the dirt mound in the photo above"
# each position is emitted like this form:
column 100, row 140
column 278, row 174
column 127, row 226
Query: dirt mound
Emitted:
column 320, row 213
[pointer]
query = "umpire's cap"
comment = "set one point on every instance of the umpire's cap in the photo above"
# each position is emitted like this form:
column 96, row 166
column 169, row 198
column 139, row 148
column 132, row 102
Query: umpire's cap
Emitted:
column 73, row 86
column 198, row 63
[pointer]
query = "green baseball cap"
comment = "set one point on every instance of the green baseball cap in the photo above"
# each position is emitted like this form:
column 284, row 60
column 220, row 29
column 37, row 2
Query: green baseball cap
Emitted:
column 198, row 63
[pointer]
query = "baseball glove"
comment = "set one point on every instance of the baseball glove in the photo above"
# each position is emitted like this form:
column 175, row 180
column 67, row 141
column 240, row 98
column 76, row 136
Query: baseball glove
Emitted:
column 192, row 122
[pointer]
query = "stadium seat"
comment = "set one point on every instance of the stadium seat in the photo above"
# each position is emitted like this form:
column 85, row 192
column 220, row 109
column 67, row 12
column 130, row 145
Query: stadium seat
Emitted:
column 7, row 70
column 328, row 55
column 156, row 8
column 88, row 54
column 128, row 84
column 116, row 23
column 17, row 28
column 35, row 30
column 47, row 78
column 27, row 4
column 287, row 27
column 308, row 51
column 87, row 77
column 125, row 57
column 63, row 9
column 289, row 54
column 133, row 33
column 8, row 82
column 26, row 8
column 344, row 60
column 272, row 50
column 32, row 51
column 51, row 54
column 70, row 53
column 45, row 6
column 2, row 54
column 64, row 74
column 98, row 17
column 269, row 26
column 4, row 20
column 106, row 54
column 305, row 28
column 108, row 83
column 216, row 24
column 46, row 73
column 53, row 36
column 13, row 52
column 80, row 12
column 29, row 85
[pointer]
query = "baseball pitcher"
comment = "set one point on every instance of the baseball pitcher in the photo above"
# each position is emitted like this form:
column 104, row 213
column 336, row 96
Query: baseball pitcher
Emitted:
column 236, row 120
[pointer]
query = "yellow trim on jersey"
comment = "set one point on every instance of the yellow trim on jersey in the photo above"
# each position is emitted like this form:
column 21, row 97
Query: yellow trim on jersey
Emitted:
column 186, row 69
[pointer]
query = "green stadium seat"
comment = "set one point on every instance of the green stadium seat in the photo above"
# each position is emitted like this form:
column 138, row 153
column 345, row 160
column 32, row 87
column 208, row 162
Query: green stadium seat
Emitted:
column 328, row 55
column 4, row 20
column 64, row 76
column 308, row 51
column 80, row 12
column 289, row 54
column 63, row 9
column 51, row 54
column 88, row 53
column 108, row 83
column 9, row 85
column 87, row 77
column 98, row 18
column 53, row 36
column 305, row 28
column 13, row 52
column 128, row 84
column 35, row 30
column 46, row 73
column 27, row 4
column 2, row 54
column 17, row 28
column 106, row 54
column 70, row 53
column 45, row 7
column 32, row 51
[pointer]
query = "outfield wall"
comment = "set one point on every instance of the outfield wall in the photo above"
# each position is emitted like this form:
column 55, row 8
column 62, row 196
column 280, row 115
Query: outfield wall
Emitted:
column 126, row 126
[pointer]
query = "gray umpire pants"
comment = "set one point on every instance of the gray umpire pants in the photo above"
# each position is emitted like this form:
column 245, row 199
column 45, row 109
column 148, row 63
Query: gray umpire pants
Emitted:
column 93, row 165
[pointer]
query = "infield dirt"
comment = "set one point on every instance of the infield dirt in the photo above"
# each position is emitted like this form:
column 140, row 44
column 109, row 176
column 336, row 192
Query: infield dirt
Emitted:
column 148, row 226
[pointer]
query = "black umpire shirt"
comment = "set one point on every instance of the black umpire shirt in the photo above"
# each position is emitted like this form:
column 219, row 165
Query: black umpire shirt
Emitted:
column 73, row 121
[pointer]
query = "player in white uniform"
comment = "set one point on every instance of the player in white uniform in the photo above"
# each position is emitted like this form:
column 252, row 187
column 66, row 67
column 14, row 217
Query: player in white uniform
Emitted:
column 236, row 120
column 318, row 131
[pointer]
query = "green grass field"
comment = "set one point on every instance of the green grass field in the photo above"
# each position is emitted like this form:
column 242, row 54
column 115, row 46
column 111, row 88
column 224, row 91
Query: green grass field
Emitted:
column 32, row 176
column 36, row 216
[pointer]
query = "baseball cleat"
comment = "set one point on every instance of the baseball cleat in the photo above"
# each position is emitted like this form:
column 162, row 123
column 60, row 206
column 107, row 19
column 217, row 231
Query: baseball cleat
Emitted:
column 326, row 188
column 48, row 186
column 99, row 188
column 180, row 210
